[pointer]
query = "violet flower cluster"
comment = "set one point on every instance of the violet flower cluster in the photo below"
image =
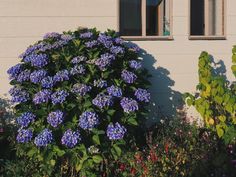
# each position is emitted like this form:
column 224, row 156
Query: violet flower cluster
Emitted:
column 129, row 105
column 42, row 96
column 18, row 95
column 142, row 95
column 102, row 100
column 62, row 75
column 43, row 138
column 135, row 64
column 24, row 135
column 104, row 61
column 100, row 83
column 70, row 138
column 25, row 119
column 77, row 69
column 116, row 132
column 114, row 91
column 81, row 89
column 128, row 76
column 59, row 96
column 55, row 118
column 37, row 76
column 88, row 120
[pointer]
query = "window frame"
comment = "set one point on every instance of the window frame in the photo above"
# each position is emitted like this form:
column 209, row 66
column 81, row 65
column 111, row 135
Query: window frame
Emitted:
column 144, row 37
column 207, row 37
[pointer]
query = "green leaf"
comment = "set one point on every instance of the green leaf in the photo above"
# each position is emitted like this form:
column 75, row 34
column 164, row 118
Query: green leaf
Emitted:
column 234, row 58
column 52, row 162
column 219, row 130
column 96, row 139
column 117, row 149
column 97, row 158
column 132, row 121
column 111, row 112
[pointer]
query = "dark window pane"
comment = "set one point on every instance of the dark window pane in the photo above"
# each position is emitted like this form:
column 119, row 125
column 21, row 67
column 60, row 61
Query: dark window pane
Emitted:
column 197, row 17
column 130, row 18
column 158, row 18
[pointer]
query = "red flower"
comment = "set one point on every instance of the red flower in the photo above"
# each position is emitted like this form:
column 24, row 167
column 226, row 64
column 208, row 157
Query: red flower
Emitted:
column 133, row 171
column 167, row 148
column 122, row 167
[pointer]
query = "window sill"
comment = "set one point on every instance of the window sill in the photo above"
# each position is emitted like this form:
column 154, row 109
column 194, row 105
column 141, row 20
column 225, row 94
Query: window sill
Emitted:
column 148, row 38
column 207, row 37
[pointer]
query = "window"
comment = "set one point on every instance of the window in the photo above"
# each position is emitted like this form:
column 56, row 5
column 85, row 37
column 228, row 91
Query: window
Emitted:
column 207, row 19
column 145, row 19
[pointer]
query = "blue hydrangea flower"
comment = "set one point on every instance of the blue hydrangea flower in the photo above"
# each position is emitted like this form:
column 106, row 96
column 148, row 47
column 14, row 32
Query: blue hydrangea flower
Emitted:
column 102, row 100
column 100, row 83
column 67, row 37
column 55, row 118
column 14, row 71
column 105, row 40
column 91, row 44
column 142, row 95
column 30, row 50
column 23, row 76
column 104, row 61
column 61, row 76
column 43, row 138
column 117, row 50
column 135, row 48
column 25, row 119
column 128, row 76
column 42, row 97
column 47, row 82
column 118, row 40
column 70, row 138
column 78, row 59
column 18, row 95
column 59, row 96
column 53, row 35
column 114, row 91
column 37, row 76
column 88, row 120
column 129, row 105
column 86, row 35
column 58, row 44
column 81, row 89
column 135, row 64
column 24, row 135
column 116, row 132
column 38, row 60
column 77, row 69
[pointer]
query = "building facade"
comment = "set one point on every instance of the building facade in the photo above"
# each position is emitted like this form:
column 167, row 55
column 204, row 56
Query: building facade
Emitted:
column 171, row 32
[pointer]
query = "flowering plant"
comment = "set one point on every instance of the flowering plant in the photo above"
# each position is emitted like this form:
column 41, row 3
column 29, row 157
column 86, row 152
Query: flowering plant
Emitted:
column 78, row 91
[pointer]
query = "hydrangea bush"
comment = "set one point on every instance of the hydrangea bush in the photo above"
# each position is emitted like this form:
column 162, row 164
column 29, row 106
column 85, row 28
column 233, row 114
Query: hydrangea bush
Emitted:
column 78, row 91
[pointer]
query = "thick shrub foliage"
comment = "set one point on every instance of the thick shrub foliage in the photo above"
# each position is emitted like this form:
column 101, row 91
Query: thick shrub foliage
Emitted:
column 78, row 90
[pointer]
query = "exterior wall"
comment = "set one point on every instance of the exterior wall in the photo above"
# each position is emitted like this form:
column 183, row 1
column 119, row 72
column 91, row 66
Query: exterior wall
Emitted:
column 172, row 63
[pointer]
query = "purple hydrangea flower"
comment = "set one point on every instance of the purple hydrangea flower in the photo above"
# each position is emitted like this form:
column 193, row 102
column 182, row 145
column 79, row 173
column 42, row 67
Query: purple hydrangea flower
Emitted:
column 24, row 135
column 59, row 96
column 23, row 76
column 104, row 61
column 67, row 37
column 14, row 71
column 81, row 89
column 102, row 100
column 128, row 76
column 61, row 76
column 58, row 44
column 105, row 40
column 129, row 105
column 47, row 82
column 25, row 119
column 18, row 95
column 117, row 49
column 86, row 35
column 38, row 60
column 30, row 50
column 116, row 132
column 100, row 83
column 142, row 95
column 42, row 97
column 135, row 64
column 114, row 91
column 88, row 120
column 118, row 40
column 70, row 138
column 77, row 69
column 43, row 138
column 37, row 76
column 78, row 59
column 53, row 35
column 55, row 118
column 135, row 48
column 91, row 44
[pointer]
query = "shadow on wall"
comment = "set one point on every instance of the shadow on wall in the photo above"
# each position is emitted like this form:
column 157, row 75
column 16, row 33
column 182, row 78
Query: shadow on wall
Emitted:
column 165, row 101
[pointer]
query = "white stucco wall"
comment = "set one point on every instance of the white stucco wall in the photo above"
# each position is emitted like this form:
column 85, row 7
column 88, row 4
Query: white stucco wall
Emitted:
column 172, row 63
